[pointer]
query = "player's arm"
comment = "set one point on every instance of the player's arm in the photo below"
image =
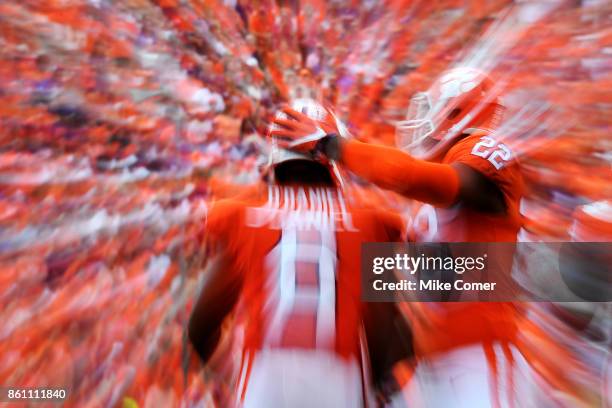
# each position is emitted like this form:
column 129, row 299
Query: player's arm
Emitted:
column 389, row 340
column 435, row 183
column 438, row 184
column 217, row 299
column 388, row 334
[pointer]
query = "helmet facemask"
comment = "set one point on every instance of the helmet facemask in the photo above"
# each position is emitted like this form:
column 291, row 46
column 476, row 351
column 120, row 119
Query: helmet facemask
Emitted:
column 412, row 133
column 462, row 98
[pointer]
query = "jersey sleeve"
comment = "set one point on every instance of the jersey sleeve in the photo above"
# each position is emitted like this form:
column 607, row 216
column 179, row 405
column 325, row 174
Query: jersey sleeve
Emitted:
column 221, row 220
column 393, row 169
column 493, row 159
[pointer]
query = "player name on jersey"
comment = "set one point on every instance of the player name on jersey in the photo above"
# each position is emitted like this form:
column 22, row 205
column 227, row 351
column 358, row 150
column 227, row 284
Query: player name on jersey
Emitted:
column 303, row 209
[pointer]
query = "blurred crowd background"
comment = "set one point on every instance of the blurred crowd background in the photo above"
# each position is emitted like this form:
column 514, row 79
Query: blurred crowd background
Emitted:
column 120, row 120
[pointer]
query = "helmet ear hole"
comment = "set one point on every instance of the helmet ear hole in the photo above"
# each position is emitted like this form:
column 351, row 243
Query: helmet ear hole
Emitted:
column 453, row 114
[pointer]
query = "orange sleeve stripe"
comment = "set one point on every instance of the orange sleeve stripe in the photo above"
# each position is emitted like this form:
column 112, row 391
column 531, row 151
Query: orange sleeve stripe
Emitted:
column 392, row 169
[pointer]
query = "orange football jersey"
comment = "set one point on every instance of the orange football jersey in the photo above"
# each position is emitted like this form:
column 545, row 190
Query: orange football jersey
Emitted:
column 461, row 224
column 442, row 326
column 297, row 250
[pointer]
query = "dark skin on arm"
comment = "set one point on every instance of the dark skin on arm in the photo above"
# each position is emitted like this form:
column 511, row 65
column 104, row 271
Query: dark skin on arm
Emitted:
column 389, row 341
column 217, row 299
column 478, row 192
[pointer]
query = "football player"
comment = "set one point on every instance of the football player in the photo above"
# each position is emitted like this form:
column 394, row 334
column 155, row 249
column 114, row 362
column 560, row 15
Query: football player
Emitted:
column 469, row 186
column 286, row 261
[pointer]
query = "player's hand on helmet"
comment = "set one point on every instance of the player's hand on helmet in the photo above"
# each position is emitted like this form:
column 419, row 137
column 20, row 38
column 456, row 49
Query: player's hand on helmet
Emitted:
column 298, row 132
